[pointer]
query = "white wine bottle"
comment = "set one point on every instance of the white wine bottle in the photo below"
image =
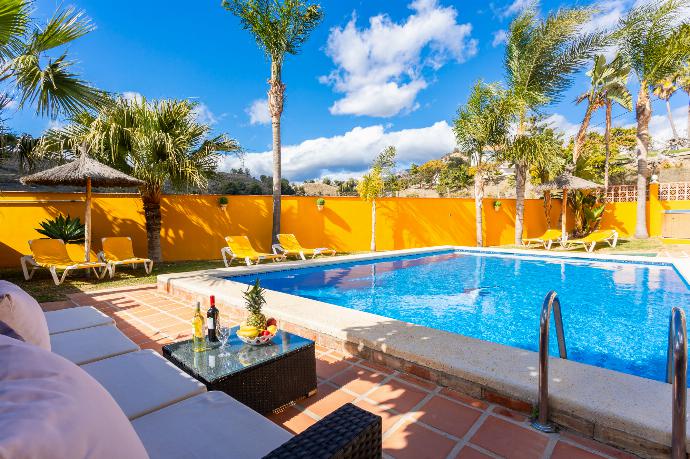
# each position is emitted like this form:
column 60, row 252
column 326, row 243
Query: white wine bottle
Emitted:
column 198, row 335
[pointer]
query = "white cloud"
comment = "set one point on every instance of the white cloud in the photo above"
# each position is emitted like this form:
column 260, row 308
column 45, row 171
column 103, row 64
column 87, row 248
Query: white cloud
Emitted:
column 560, row 123
column 351, row 154
column 500, row 37
column 258, row 112
column 660, row 128
column 132, row 96
column 204, row 115
column 516, row 7
column 380, row 68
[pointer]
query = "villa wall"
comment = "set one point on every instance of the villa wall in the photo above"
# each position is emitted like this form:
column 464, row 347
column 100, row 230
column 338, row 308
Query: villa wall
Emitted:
column 194, row 226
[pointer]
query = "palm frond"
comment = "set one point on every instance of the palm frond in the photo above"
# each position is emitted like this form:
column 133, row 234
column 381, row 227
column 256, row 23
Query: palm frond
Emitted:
column 14, row 17
column 64, row 27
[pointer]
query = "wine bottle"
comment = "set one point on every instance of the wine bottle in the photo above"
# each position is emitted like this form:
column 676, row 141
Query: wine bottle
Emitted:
column 212, row 321
column 198, row 335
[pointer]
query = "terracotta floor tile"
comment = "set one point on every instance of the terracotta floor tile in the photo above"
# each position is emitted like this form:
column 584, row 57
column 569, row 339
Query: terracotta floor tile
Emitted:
column 509, row 440
column 293, row 420
column 400, row 396
column 566, row 451
column 467, row 452
column 466, row 399
column 358, row 380
column 510, row 414
column 388, row 418
column 326, row 400
column 597, row 446
column 450, row 417
column 327, row 366
column 57, row 305
column 375, row 366
column 414, row 441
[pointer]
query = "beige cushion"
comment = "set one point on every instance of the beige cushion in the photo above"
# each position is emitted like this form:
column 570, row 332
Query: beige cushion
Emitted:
column 51, row 408
column 77, row 318
column 143, row 381
column 23, row 314
column 91, row 344
column 212, row 424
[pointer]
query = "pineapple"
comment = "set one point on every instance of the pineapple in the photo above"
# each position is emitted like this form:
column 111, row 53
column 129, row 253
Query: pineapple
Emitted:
column 254, row 297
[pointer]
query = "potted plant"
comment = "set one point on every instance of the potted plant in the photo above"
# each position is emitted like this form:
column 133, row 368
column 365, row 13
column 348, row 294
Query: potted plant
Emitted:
column 497, row 205
column 320, row 203
column 223, row 202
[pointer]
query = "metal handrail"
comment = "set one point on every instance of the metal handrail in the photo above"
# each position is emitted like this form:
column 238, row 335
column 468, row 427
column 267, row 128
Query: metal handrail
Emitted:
column 677, row 374
column 551, row 302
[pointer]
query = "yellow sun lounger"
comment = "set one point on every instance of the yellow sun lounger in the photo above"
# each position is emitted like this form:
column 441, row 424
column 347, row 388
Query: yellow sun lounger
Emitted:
column 119, row 251
column 240, row 247
column 289, row 245
column 590, row 241
column 52, row 254
column 547, row 239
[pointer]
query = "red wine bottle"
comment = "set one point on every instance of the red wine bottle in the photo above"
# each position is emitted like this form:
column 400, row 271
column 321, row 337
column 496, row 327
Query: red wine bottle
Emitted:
column 212, row 320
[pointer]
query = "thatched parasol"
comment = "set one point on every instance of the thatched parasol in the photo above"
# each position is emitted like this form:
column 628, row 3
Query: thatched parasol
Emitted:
column 567, row 181
column 84, row 171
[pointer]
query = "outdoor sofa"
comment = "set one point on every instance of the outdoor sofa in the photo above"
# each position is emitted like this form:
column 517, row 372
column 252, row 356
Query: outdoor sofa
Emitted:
column 173, row 415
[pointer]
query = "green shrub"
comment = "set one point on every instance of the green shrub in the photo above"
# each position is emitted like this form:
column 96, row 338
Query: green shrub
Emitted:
column 320, row 202
column 223, row 201
column 69, row 229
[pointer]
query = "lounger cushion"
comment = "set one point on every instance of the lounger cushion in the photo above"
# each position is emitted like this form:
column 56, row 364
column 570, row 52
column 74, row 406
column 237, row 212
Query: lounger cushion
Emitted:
column 212, row 424
column 22, row 313
column 92, row 344
column 51, row 408
column 77, row 318
column 143, row 381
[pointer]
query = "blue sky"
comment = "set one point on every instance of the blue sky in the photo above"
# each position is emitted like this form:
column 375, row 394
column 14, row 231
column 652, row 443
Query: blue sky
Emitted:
column 374, row 73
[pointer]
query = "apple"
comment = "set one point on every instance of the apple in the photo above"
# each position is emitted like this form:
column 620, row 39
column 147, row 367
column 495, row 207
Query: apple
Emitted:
column 265, row 333
column 270, row 322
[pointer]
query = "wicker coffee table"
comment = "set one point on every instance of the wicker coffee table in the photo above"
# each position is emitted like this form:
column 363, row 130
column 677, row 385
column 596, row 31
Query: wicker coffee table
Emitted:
column 264, row 378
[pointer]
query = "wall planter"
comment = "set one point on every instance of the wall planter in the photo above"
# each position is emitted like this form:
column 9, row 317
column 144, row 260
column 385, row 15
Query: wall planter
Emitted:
column 223, row 203
column 497, row 205
column 320, row 203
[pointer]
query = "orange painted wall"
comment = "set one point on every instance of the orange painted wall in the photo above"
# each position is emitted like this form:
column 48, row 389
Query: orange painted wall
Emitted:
column 194, row 226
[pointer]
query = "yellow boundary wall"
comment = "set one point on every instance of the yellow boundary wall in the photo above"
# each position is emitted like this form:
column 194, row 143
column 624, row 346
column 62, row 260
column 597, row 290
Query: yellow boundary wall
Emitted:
column 194, row 226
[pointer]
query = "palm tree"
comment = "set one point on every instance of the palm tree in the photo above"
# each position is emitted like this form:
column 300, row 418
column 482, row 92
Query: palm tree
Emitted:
column 655, row 44
column 481, row 126
column 664, row 90
column 26, row 63
column 541, row 57
column 607, row 85
column 370, row 188
column 159, row 142
column 683, row 81
column 280, row 27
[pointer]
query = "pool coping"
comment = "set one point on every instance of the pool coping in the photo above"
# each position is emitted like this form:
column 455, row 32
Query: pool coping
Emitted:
column 625, row 410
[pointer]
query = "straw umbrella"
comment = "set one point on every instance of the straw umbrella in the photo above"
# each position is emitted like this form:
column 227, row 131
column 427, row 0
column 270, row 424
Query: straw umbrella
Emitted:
column 83, row 171
column 567, row 181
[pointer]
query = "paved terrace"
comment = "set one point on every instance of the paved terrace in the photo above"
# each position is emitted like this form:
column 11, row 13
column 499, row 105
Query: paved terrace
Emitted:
column 420, row 419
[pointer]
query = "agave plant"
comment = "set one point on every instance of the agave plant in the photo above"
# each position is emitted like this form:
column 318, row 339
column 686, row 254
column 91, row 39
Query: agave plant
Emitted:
column 69, row 229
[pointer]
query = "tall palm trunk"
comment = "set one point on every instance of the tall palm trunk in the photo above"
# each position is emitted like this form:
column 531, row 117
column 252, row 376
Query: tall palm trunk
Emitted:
column 520, row 181
column 582, row 132
column 670, row 119
column 373, row 225
column 687, row 134
column 478, row 197
column 275, row 104
column 152, row 216
column 607, row 141
column 643, row 113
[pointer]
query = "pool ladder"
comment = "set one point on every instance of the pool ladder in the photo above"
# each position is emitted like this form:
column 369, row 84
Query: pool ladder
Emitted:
column 676, row 370
column 677, row 374
column 551, row 302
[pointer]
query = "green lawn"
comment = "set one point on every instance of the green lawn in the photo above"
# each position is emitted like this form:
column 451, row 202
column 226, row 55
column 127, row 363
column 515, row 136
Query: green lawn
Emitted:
column 43, row 289
column 646, row 247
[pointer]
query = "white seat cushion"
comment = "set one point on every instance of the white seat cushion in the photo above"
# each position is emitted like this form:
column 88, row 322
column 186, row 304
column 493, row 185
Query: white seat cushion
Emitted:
column 51, row 408
column 22, row 313
column 143, row 381
column 77, row 318
column 91, row 344
column 210, row 425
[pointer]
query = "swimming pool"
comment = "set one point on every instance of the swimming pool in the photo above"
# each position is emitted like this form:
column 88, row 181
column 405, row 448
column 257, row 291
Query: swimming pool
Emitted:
column 615, row 314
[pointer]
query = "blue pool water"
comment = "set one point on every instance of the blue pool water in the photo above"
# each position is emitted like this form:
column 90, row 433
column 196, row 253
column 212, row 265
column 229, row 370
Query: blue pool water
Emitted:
column 615, row 314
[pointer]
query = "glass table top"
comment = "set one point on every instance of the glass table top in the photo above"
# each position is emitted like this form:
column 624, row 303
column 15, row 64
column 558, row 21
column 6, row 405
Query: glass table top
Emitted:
column 211, row 365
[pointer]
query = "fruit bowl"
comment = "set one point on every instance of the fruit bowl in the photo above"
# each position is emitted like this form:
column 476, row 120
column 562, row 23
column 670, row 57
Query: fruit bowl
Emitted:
column 257, row 340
